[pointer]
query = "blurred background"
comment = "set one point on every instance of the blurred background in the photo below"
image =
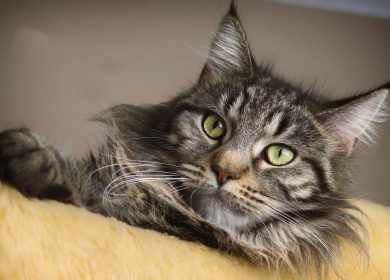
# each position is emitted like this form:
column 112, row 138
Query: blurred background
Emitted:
column 61, row 62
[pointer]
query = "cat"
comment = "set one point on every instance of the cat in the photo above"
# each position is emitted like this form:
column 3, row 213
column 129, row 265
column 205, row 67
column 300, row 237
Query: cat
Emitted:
column 243, row 161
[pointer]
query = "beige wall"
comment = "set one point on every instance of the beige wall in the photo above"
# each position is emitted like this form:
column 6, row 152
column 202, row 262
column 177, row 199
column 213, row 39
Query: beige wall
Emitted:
column 63, row 61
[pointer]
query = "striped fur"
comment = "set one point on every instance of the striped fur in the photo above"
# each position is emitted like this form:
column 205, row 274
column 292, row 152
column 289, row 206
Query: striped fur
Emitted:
column 155, row 170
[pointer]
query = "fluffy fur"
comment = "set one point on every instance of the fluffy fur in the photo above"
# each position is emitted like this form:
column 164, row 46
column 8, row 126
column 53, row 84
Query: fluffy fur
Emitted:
column 159, row 169
column 50, row 240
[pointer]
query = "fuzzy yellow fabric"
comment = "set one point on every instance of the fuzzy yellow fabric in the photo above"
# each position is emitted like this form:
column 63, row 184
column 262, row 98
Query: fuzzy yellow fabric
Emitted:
column 50, row 240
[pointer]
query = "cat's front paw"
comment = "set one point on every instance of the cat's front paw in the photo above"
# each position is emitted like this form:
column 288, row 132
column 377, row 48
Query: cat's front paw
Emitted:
column 29, row 163
column 16, row 142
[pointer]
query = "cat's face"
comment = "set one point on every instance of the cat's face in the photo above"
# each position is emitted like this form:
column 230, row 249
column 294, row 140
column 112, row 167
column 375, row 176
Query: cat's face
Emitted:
column 250, row 151
column 254, row 147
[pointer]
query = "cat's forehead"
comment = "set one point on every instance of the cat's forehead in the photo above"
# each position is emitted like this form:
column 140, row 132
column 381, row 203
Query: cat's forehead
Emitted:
column 255, row 101
column 261, row 108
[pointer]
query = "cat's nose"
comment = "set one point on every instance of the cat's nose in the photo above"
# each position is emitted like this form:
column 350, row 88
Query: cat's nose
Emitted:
column 224, row 174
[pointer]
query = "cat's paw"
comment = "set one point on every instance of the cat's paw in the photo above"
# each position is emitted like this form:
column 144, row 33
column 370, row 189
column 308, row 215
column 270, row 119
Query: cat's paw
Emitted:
column 14, row 142
column 30, row 164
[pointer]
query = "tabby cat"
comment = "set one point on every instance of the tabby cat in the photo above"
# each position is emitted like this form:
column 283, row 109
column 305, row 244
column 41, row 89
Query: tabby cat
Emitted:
column 243, row 161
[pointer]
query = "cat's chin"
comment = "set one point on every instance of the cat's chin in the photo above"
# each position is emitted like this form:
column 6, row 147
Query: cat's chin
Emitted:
column 218, row 209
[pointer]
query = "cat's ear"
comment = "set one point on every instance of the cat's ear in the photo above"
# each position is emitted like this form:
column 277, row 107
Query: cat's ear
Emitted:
column 229, row 54
column 353, row 119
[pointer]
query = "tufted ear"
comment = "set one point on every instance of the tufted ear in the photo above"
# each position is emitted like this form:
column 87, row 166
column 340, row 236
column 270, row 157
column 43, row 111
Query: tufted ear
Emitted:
column 229, row 54
column 354, row 119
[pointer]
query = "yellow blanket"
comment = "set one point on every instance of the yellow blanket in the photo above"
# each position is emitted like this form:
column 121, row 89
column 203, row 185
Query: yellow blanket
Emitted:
column 50, row 240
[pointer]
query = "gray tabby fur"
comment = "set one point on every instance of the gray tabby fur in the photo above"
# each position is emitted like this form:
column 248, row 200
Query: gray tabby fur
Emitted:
column 155, row 169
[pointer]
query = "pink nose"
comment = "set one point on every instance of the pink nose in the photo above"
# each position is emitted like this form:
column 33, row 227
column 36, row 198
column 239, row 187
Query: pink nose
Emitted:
column 223, row 175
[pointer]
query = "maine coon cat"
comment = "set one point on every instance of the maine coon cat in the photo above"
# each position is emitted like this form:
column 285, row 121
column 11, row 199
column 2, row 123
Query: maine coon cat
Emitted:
column 243, row 161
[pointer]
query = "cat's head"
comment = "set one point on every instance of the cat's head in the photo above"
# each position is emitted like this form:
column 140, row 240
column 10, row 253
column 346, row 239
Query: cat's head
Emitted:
column 256, row 147
column 261, row 158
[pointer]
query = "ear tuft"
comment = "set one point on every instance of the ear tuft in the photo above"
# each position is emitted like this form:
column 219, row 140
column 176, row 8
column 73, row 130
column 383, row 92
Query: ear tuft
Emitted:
column 232, row 9
column 355, row 120
column 229, row 53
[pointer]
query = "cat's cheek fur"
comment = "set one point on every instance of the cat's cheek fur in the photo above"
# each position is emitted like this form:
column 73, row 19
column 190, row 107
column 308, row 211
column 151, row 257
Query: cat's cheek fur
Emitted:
column 188, row 133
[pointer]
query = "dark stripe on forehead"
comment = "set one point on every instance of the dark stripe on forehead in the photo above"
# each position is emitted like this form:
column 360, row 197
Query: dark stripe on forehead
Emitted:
column 282, row 126
column 269, row 117
column 319, row 172
column 245, row 100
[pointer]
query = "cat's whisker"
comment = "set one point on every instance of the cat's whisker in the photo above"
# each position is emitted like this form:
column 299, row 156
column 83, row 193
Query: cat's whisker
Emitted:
column 258, row 218
column 167, row 177
column 192, row 167
column 286, row 218
column 157, row 163
column 290, row 209
column 127, row 166
column 330, row 252
column 191, row 197
column 126, row 182
column 189, row 174
column 178, row 189
column 123, row 166
column 297, row 223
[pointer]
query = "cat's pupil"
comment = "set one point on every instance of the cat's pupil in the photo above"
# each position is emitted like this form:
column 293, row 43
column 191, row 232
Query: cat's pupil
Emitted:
column 217, row 124
column 280, row 152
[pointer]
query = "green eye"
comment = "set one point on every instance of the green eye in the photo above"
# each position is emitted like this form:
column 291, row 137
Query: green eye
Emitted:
column 214, row 126
column 279, row 154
